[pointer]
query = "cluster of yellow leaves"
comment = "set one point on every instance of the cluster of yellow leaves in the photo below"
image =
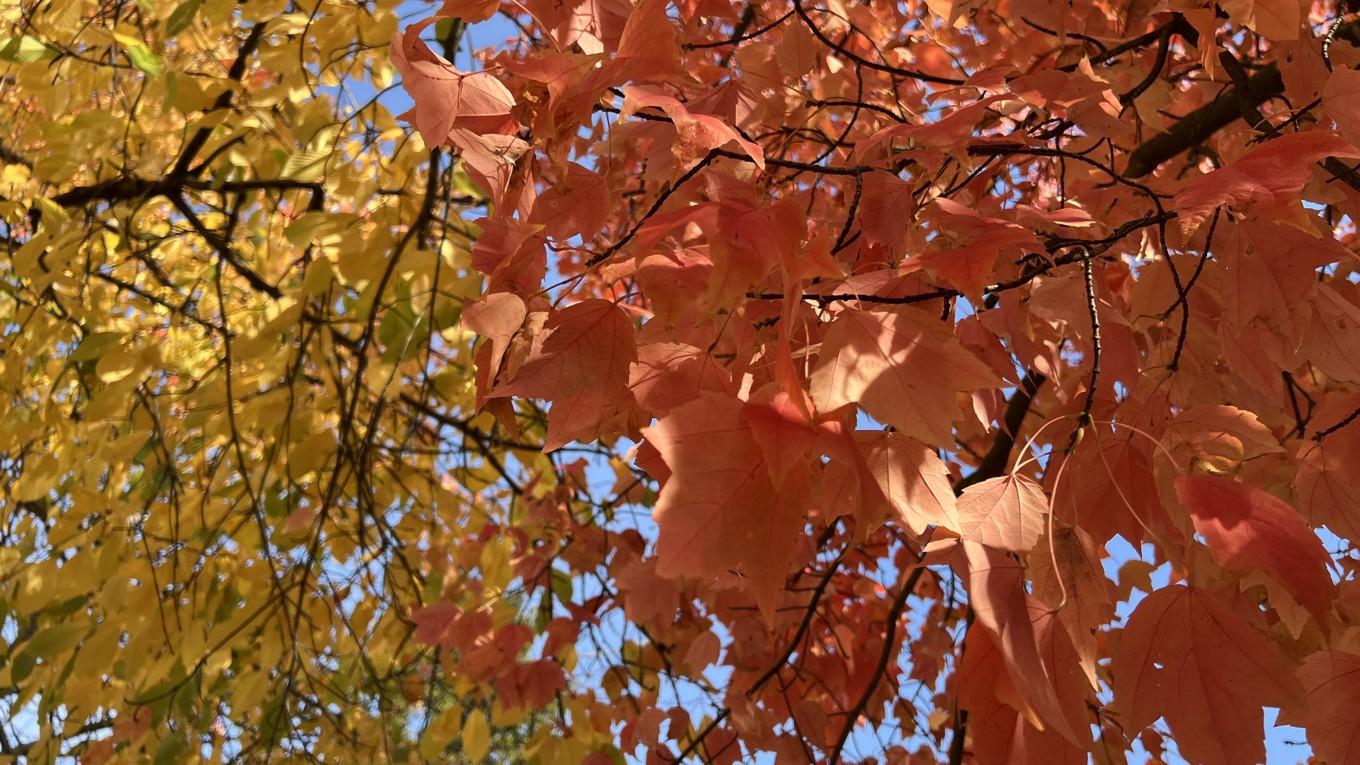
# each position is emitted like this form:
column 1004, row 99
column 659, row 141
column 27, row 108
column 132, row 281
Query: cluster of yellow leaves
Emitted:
column 230, row 375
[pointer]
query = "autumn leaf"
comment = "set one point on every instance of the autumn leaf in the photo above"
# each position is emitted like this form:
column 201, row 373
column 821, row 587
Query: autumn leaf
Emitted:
column 497, row 317
column 1248, row 529
column 1269, row 176
column 581, row 366
column 445, row 97
column 720, row 510
column 640, row 381
column 1006, row 513
column 901, row 367
column 1184, row 655
column 1067, row 574
column 996, row 590
column 695, row 133
column 1339, row 98
column 913, row 480
column 1329, row 683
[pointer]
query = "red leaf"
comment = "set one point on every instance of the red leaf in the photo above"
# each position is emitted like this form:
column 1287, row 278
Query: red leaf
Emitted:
column 446, row 98
column 1341, row 99
column 496, row 316
column 667, row 375
column 1248, row 529
column 1324, row 485
column 783, row 432
column 695, row 134
column 582, row 367
column 589, row 345
column 1006, row 513
column 912, row 478
column 1079, row 576
column 996, row 590
column 471, row 11
column 1186, row 657
column 901, row 366
column 1331, row 681
column 1271, row 176
column 649, row 48
column 999, row 733
column 511, row 253
column 719, row 509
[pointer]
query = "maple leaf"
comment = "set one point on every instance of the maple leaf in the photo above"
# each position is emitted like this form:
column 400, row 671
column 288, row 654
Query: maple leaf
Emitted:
column 1184, row 655
column 996, row 590
column 912, row 479
column 984, row 239
column 902, row 367
column 1328, row 341
column 1322, row 486
column 1221, row 437
column 471, row 11
column 268, row 355
column 511, row 253
column 649, row 48
column 1248, row 529
column 581, row 366
column 667, row 375
column 578, row 202
column 1000, row 732
column 1331, row 683
column 1269, row 176
column 720, row 509
column 497, row 317
column 446, row 98
column 782, row 430
column 1007, row 512
column 695, row 133
column 1067, row 574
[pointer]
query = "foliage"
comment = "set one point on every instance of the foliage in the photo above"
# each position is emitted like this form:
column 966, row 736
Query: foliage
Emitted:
column 881, row 382
column 231, row 295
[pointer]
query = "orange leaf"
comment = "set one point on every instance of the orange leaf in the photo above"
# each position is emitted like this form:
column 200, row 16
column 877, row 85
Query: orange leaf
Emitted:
column 446, row 98
column 695, row 133
column 497, row 317
column 996, row 590
column 1006, row 512
column 1248, row 529
column 719, row 510
column 1186, row 657
column 1331, row 680
column 901, row 366
column 912, row 478
column 1271, row 175
column 582, row 367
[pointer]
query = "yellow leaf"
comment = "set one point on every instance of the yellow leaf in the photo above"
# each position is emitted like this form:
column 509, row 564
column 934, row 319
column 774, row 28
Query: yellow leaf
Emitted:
column 476, row 736
column 117, row 364
column 441, row 731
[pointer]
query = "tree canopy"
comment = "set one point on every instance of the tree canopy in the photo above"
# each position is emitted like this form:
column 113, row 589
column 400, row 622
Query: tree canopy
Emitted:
column 694, row 380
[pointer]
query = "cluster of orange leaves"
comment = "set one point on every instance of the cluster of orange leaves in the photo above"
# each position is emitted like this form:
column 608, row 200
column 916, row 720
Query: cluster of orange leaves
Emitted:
column 886, row 307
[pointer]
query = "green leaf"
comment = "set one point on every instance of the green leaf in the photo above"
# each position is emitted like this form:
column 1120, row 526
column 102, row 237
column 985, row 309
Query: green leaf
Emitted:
column 402, row 332
column 182, row 17
column 561, row 585
column 171, row 748
column 139, row 54
column 23, row 666
column 23, row 49
column 56, row 639
column 271, row 720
